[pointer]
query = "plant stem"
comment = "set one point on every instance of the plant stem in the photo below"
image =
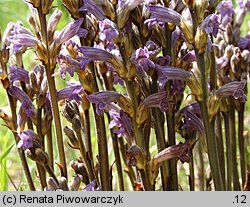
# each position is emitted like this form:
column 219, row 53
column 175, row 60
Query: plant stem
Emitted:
column 87, row 133
column 129, row 170
column 220, row 145
column 84, row 156
column 53, row 93
column 191, row 171
column 241, row 142
column 160, row 138
column 51, row 173
column 138, row 130
column 228, row 152
column 201, row 169
column 14, row 121
column 209, row 127
column 236, row 183
column 50, row 148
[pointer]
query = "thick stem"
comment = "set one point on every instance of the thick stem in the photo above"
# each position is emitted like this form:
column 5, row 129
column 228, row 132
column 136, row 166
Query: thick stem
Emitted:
column 53, row 93
column 232, row 125
column 241, row 143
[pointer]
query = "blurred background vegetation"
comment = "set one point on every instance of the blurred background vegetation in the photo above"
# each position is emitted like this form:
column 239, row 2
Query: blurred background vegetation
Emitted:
column 11, row 175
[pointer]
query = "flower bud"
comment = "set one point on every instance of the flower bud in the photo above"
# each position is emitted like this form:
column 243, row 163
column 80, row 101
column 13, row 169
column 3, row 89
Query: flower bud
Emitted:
column 52, row 24
column 200, row 40
column 76, row 124
column 200, row 8
column 142, row 114
column 52, row 185
column 76, row 183
column 73, row 142
column 73, row 7
column 46, row 5
column 63, row 184
column 189, row 3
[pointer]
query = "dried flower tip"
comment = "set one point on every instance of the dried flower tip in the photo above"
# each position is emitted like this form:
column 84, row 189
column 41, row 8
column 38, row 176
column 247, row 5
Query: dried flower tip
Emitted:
column 73, row 7
column 46, row 5
column 35, row 3
column 200, row 8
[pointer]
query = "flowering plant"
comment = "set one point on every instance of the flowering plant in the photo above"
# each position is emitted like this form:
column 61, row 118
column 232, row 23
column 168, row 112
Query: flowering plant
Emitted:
column 167, row 82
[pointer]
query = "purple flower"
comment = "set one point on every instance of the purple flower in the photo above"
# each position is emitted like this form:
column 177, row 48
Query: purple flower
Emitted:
column 90, row 186
column 93, row 8
column 72, row 92
column 122, row 124
column 244, row 43
column 177, row 87
column 211, row 24
column 221, row 62
column 102, row 98
column 20, row 41
column 234, row 88
column 18, row 74
column 164, row 14
column 225, row 8
column 67, row 64
column 27, row 110
column 189, row 57
column 108, row 30
column 18, row 94
column 27, row 137
column 96, row 54
column 141, row 60
column 69, row 31
column 157, row 100
column 167, row 73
